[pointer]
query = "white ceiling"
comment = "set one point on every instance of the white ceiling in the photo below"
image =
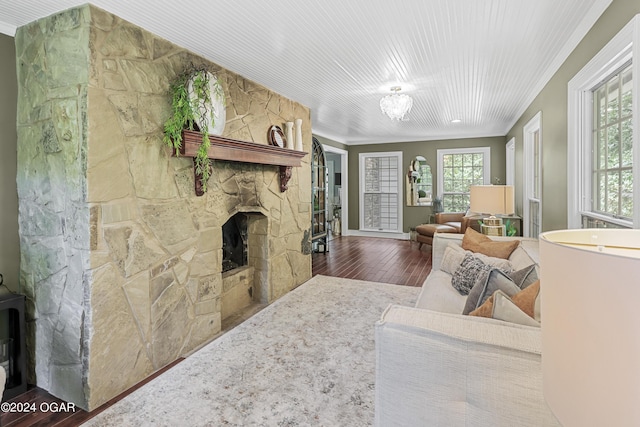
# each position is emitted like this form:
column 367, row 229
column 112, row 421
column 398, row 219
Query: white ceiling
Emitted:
column 480, row 61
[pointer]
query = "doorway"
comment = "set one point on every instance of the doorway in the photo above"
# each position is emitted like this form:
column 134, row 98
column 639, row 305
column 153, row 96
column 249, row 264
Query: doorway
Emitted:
column 336, row 190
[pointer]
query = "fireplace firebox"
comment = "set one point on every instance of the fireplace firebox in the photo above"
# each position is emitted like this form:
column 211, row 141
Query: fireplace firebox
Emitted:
column 234, row 243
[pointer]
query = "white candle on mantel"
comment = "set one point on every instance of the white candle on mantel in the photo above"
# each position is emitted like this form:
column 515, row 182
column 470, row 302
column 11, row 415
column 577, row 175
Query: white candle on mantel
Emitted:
column 289, row 134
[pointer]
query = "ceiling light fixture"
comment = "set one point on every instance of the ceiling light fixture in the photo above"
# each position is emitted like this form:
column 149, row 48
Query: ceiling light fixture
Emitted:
column 396, row 105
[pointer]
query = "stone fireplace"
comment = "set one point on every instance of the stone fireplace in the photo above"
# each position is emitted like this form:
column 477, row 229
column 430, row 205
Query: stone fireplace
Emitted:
column 121, row 262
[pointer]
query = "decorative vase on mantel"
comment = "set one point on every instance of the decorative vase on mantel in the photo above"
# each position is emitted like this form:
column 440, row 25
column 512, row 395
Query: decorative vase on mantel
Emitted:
column 299, row 134
column 289, row 135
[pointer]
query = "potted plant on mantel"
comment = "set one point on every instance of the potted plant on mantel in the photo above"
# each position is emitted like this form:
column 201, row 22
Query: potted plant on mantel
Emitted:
column 193, row 109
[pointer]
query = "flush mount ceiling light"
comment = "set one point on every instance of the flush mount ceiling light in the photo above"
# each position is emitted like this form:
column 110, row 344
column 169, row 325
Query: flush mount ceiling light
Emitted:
column 396, row 105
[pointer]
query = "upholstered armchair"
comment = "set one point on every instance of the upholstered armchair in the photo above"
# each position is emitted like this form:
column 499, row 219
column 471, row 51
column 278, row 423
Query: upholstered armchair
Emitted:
column 446, row 222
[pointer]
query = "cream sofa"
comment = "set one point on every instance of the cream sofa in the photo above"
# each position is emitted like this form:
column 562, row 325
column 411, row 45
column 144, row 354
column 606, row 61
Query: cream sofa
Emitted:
column 437, row 367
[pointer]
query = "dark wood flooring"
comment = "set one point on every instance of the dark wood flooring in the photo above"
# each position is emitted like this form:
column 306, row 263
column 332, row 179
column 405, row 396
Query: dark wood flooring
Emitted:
column 399, row 262
column 364, row 258
column 38, row 408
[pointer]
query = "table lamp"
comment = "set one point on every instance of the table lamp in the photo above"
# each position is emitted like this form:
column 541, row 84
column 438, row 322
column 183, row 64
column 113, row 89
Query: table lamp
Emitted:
column 493, row 200
column 590, row 294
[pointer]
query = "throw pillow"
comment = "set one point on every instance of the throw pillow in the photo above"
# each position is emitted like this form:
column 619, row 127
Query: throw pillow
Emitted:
column 501, row 263
column 520, row 258
column 507, row 310
column 485, row 310
column 525, row 276
column 527, row 301
column 486, row 286
column 469, row 271
column 452, row 258
column 478, row 242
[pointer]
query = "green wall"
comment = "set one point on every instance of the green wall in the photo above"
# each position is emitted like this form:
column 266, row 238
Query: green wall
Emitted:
column 414, row 215
column 9, row 240
column 326, row 141
column 552, row 101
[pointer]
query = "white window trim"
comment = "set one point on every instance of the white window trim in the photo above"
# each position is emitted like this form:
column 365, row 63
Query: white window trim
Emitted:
column 511, row 162
column 622, row 48
column 344, row 171
column 361, row 158
column 485, row 151
column 534, row 125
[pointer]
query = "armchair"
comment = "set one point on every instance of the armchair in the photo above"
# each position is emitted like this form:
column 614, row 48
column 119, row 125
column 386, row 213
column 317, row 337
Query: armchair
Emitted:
column 446, row 222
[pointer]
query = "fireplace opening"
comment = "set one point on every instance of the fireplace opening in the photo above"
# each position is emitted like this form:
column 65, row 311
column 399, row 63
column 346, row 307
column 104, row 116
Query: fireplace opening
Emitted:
column 234, row 242
column 245, row 263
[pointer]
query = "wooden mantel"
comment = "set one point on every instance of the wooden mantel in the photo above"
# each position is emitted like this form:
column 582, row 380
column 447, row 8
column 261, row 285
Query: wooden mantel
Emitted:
column 244, row 152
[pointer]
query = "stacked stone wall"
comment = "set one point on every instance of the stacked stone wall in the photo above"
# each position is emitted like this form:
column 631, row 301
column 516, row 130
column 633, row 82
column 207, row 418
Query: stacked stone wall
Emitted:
column 121, row 261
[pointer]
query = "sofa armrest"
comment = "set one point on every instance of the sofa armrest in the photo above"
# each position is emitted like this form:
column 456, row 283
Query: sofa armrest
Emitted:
column 465, row 222
column 443, row 217
column 445, row 369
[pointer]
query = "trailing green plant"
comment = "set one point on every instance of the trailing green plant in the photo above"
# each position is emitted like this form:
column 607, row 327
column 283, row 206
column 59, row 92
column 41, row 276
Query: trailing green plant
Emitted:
column 185, row 115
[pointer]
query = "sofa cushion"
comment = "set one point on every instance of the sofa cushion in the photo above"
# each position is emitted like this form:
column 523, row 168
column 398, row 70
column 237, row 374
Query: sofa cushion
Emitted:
column 454, row 224
column 485, row 287
column 478, row 242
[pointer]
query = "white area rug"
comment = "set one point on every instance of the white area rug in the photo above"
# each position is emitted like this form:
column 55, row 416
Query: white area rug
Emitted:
column 306, row 360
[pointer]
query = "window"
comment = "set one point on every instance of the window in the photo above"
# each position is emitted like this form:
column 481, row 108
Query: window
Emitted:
column 612, row 188
column 532, row 205
column 380, row 191
column 458, row 169
column 602, row 180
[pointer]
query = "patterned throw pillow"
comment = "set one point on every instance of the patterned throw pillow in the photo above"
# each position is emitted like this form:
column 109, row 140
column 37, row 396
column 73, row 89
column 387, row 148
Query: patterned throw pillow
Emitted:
column 471, row 269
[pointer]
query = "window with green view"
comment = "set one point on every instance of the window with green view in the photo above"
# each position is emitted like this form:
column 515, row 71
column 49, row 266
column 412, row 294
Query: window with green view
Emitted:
column 459, row 169
column 612, row 188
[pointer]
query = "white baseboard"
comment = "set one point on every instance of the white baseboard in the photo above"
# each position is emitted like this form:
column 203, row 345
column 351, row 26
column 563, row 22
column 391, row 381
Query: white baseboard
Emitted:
column 385, row 235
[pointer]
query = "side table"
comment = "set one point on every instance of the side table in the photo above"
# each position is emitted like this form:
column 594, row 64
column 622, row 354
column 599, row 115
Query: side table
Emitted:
column 509, row 221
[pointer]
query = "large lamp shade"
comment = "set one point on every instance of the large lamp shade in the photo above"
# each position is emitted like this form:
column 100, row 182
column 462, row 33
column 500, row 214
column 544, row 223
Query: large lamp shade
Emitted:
column 590, row 309
column 491, row 199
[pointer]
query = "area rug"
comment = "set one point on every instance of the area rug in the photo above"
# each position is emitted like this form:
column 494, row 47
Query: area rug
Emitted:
column 306, row 360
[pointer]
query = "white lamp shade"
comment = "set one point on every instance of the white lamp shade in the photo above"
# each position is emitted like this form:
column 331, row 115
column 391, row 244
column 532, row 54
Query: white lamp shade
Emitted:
column 492, row 199
column 590, row 303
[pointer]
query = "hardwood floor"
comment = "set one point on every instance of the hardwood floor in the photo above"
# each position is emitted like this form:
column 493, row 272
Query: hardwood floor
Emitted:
column 398, row 262
column 37, row 408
